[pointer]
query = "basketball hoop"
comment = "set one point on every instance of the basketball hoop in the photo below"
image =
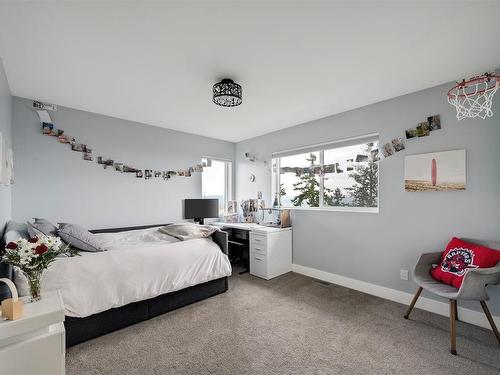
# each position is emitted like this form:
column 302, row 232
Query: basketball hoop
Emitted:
column 474, row 97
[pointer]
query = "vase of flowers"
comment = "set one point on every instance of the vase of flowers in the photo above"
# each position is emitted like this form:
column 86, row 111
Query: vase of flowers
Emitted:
column 33, row 256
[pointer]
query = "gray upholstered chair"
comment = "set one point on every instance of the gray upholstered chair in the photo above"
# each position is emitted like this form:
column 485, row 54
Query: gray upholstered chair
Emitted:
column 473, row 288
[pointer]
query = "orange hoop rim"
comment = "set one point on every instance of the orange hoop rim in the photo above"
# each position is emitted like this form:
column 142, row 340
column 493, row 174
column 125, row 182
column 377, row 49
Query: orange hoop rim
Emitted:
column 487, row 77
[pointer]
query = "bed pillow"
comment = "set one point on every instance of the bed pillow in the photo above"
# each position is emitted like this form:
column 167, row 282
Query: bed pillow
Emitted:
column 79, row 237
column 15, row 231
column 41, row 226
column 188, row 231
column 459, row 257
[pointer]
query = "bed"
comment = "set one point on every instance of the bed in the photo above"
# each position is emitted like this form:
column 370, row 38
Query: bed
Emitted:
column 144, row 273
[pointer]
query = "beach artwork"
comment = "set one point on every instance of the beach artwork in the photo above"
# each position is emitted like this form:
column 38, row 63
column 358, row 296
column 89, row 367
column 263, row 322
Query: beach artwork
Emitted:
column 435, row 171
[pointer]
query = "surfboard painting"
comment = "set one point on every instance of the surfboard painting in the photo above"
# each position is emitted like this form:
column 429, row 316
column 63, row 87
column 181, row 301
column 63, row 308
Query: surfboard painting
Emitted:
column 436, row 171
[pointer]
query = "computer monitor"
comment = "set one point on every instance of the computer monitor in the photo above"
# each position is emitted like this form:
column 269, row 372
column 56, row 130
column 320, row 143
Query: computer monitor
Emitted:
column 199, row 209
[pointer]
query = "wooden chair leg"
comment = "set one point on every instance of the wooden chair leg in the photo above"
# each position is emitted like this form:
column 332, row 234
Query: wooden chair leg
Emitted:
column 490, row 319
column 453, row 327
column 456, row 310
column 413, row 302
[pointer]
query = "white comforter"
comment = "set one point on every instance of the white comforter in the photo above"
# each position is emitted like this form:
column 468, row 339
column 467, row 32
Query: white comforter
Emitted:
column 137, row 265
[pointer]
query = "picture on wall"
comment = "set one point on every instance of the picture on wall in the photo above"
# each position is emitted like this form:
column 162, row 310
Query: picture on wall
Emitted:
column 434, row 122
column 436, row 171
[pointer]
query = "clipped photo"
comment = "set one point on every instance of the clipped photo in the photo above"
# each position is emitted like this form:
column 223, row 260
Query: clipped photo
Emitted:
column 423, row 129
column 411, row 133
column 387, row 150
column 47, row 128
column 88, row 156
column 119, row 167
column 79, row 147
column 434, row 122
column 398, row 144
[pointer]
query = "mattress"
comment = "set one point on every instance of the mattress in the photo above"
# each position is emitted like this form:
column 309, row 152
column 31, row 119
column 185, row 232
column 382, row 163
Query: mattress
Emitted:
column 137, row 265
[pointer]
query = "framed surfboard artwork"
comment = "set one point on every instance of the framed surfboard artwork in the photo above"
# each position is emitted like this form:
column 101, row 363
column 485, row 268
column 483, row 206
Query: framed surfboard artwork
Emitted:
column 436, row 171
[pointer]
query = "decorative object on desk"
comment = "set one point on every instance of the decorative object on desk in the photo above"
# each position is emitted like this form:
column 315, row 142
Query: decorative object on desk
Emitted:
column 436, row 171
column 275, row 217
column 34, row 256
column 12, row 308
column 232, row 207
column 276, row 203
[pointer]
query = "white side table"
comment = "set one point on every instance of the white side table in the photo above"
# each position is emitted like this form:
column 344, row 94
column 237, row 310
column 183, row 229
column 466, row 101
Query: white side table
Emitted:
column 35, row 343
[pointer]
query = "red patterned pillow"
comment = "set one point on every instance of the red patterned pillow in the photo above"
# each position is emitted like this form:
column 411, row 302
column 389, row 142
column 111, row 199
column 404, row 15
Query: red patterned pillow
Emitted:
column 459, row 257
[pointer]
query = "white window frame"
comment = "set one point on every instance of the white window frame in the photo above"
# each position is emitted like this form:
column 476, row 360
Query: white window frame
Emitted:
column 228, row 183
column 321, row 147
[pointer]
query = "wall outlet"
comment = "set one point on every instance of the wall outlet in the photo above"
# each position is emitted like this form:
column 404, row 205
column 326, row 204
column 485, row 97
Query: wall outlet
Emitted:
column 404, row 274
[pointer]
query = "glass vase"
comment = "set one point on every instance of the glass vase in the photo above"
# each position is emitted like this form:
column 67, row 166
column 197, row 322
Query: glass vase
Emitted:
column 33, row 279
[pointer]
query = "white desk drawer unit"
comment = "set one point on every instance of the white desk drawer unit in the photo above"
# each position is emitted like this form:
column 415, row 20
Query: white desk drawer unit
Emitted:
column 270, row 253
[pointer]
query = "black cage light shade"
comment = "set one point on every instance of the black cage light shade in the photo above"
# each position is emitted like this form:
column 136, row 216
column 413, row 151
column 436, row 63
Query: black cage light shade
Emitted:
column 227, row 93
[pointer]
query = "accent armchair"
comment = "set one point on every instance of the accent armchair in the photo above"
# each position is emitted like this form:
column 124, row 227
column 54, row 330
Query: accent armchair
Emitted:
column 473, row 288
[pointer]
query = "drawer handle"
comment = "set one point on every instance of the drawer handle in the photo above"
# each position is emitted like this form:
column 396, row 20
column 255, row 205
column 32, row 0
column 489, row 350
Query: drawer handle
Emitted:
column 258, row 249
column 257, row 240
column 256, row 258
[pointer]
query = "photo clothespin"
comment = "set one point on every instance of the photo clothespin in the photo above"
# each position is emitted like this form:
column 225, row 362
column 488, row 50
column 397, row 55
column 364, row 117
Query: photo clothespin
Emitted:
column 12, row 308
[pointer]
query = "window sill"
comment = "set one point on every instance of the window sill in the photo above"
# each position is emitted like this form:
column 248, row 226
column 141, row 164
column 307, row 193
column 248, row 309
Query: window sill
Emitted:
column 370, row 210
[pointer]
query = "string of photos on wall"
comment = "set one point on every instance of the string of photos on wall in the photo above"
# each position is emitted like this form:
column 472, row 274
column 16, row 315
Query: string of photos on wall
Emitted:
column 371, row 153
column 423, row 129
column 48, row 129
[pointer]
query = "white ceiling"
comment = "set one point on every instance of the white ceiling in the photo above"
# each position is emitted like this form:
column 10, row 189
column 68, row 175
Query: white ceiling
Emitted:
column 156, row 62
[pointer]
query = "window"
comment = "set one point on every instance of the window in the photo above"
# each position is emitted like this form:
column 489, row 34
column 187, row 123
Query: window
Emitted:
column 216, row 181
column 339, row 175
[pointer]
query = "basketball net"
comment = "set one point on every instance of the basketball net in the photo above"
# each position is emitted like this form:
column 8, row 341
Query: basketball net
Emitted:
column 474, row 97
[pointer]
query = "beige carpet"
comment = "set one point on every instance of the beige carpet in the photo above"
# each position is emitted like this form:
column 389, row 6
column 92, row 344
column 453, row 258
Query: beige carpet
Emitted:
column 289, row 325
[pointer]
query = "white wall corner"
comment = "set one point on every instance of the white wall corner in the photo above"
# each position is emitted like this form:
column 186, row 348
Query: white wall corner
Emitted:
column 427, row 304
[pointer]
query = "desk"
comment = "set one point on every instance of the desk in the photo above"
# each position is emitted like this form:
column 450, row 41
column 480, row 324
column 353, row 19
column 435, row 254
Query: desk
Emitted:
column 270, row 248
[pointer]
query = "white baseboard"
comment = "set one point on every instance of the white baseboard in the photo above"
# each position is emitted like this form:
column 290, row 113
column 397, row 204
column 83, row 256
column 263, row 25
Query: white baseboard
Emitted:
column 428, row 304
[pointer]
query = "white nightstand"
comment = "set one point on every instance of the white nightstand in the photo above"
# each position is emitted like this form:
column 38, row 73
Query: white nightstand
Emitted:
column 35, row 343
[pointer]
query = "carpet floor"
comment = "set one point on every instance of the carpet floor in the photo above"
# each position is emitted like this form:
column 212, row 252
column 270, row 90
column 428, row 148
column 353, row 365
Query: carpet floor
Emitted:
column 290, row 325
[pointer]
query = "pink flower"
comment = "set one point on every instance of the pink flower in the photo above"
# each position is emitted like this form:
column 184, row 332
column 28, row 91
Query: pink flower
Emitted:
column 11, row 246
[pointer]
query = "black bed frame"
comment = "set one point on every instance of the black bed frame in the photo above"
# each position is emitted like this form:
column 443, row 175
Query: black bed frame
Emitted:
column 82, row 329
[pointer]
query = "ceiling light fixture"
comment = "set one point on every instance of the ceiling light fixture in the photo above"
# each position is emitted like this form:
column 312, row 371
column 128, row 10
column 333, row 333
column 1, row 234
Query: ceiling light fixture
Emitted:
column 227, row 93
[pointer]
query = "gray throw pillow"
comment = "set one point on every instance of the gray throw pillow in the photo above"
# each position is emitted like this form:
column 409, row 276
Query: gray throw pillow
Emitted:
column 41, row 226
column 79, row 237
column 14, row 231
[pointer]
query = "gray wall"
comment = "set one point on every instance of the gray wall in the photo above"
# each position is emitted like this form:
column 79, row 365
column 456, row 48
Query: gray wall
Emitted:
column 374, row 247
column 54, row 182
column 5, row 129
